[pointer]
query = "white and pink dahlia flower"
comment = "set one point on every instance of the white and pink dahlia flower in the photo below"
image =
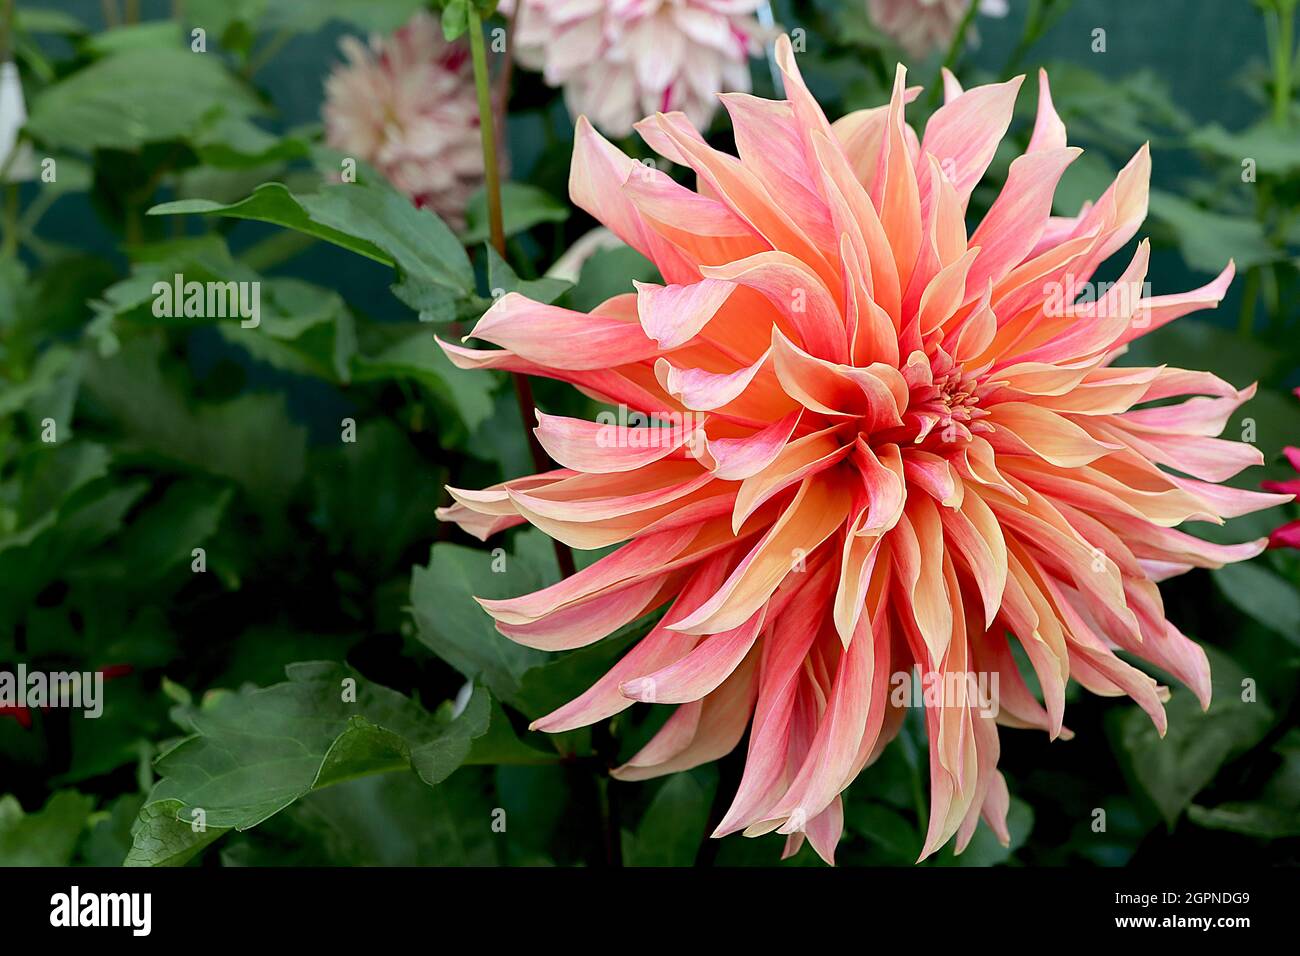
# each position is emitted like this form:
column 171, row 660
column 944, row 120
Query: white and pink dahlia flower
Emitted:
column 896, row 447
column 406, row 104
column 922, row 26
column 619, row 60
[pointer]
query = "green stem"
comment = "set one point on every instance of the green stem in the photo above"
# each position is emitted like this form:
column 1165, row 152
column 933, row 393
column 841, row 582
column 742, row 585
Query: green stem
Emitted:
column 954, row 50
column 487, row 130
column 496, row 228
column 1246, row 322
column 1283, row 49
column 1027, row 36
column 6, row 29
column 9, row 246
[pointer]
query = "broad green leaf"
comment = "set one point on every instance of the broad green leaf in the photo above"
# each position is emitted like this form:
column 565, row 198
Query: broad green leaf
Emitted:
column 418, row 357
column 372, row 495
column 891, row 837
column 675, row 823
column 137, row 96
column 522, row 207
column 161, row 838
column 274, row 203
column 370, row 219
column 249, row 439
column 109, row 839
column 1275, row 814
column 385, row 820
column 1208, row 239
column 1260, row 594
column 454, row 627
column 257, row 751
column 1275, row 150
column 47, row 837
column 1173, row 770
column 165, row 533
column 608, row 273
column 381, row 16
column 500, row 746
column 502, row 279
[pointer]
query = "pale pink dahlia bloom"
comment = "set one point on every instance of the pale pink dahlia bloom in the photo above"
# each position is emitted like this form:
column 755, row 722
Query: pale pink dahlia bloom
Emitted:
column 920, row 26
column 406, row 105
column 895, row 446
column 618, row 60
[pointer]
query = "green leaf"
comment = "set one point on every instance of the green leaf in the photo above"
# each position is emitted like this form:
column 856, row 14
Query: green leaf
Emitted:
column 522, row 207
column 274, row 203
column 454, row 627
column 502, row 279
column 249, row 439
column 418, row 357
column 372, row 220
column 257, row 751
column 1209, row 239
column 161, row 838
column 1275, row 814
column 891, row 836
column 375, row 16
column 1275, row 150
column 47, row 837
column 455, row 19
column 1173, row 770
column 1262, row 595
column 136, row 96
column 675, row 823
column 164, row 535
column 372, row 496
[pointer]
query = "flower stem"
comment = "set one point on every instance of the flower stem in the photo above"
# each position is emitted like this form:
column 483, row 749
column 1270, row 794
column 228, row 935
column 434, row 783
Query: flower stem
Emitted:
column 487, row 130
column 1283, row 50
column 496, row 228
column 954, row 49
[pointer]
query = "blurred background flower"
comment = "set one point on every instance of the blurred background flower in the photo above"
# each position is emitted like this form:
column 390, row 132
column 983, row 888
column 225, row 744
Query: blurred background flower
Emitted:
column 405, row 103
column 921, row 26
column 620, row 60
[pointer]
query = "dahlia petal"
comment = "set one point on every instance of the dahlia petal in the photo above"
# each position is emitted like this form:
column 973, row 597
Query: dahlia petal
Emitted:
column 818, row 509
column 634, row 560
column 590, row 621
column 673, row 315
column 707, row 729
column 599, row 448
column 1051, row 436
column 1162, row 309
column 596, row 181
column 798, row 293
column 1049, row 131
column 854, row 710
column 701, row 671
column 894, row 191
column 798, row 460
column 660, row 647
column 964, row 133
column 766, row 763
column 736, row 459
column 1010, row 230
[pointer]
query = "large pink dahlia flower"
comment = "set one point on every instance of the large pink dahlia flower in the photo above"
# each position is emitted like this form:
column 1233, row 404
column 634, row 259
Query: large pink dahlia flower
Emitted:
column 894, row 446
column 406, row 105
column 618, row 60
